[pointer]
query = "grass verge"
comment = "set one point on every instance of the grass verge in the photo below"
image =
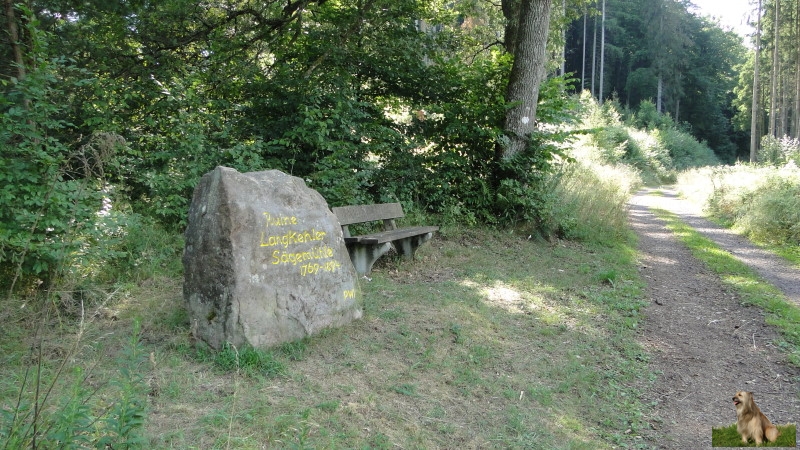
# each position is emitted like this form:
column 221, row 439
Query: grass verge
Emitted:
column 728, row 437
column 751, row 287
column 487, row 340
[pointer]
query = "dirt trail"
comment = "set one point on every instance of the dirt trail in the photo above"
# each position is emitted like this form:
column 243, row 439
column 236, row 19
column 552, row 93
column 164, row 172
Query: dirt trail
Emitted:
column 705, row 345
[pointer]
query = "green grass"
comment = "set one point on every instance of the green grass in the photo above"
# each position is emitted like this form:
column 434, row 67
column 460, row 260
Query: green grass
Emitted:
column 487, row 340
column 753, row 290
column 728, row 437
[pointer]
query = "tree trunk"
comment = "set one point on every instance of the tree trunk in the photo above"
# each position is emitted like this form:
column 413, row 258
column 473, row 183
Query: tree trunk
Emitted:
column 783, row 126
column 659, row 69
column 511, row 13
column 678, row 98
column 564, row 37
column 602, row 51
column 797, row 75
column 754, row 137
column 13, row 37
column 583, row 62
column 527, row 72
column 775, row 71
column 659, row 93
column 594, row 53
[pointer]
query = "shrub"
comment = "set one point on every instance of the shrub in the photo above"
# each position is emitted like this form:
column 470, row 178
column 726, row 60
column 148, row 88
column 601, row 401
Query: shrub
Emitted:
column 772, row 212
column 779, row 151
column 50, row 190
column 685, row 150
column 760, row 201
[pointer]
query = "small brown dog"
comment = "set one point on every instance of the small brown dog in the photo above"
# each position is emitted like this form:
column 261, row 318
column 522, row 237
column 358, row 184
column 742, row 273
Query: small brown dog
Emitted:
column 752, row 422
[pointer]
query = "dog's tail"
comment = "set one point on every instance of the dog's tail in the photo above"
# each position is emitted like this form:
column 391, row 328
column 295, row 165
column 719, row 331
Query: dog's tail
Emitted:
column 772, row 433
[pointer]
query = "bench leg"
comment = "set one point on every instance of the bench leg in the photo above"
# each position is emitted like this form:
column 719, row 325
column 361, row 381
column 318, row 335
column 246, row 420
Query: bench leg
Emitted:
column 406, row 247
column 364, row 256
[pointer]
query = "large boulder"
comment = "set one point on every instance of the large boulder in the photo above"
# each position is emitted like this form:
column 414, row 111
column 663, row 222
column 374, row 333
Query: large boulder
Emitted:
column 265, row 261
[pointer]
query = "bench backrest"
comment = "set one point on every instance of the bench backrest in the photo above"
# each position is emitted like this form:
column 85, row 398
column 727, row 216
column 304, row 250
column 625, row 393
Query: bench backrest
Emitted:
column 367, row 213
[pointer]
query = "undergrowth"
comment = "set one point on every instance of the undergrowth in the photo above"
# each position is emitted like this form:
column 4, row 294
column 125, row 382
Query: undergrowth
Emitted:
column 654, row 145
column 65, row 405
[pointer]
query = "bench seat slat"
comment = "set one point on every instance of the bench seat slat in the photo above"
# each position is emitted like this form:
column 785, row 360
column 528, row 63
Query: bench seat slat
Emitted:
column 391, row 235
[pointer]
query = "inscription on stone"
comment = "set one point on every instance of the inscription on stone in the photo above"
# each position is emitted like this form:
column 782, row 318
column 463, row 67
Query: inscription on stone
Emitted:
column 318, row 258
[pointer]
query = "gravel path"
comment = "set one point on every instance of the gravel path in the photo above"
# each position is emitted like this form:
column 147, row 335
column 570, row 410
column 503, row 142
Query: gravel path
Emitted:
column 705, row 345
column 772, row 268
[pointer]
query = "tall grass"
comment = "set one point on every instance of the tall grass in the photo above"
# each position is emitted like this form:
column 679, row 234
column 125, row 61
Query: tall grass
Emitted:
column 592, row 199
column 65, row 405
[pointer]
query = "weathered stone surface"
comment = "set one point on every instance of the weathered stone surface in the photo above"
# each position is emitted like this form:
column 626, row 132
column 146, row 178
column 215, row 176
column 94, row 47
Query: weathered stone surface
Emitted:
column 265, row 261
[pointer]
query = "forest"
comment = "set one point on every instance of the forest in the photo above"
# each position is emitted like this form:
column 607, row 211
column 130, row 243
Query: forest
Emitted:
column 694, row 70
column 111, row 111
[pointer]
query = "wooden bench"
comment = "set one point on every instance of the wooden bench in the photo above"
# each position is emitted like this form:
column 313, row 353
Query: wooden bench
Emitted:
column 366, row 249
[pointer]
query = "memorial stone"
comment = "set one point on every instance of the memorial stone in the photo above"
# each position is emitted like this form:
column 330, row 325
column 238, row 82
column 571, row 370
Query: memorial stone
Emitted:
column 264, row 261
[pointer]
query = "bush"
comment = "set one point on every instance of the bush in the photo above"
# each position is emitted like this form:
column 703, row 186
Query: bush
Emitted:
column 779, row 151
column 685, row 151
column 50, row 190
column 648, row 118
column 771, row 212
column 655, row 151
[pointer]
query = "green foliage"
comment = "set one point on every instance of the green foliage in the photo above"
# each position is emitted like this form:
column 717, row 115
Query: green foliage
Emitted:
column 779, row 151
column 759, row 201
column 771, row 211
column 126, row 415
column 348, row 96
column 649, row 118
column 363, row 113
column 454, row 128
column 526, row 193
column 657, row 151
column 65, row 410
column 50, row 188
column 695, row 60
column 140, row 249
column 686, row 152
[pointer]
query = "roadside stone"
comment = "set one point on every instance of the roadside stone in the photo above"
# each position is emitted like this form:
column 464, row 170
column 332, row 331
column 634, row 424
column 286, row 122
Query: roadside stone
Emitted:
column 264, row 261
